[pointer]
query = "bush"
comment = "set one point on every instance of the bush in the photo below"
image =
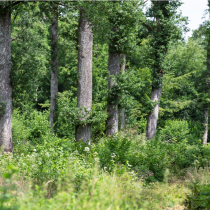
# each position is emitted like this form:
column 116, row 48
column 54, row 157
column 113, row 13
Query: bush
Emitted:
column 199, row 197
column 151, row 158
column 113, row 150
column 29, row 129
column 174, row 130
column 65, row 123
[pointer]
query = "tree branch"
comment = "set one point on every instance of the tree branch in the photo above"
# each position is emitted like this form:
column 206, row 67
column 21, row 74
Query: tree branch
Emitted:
column 18, row 34
column 9, row 7
column 16, row 3
column 15, row 16
column 146, row 26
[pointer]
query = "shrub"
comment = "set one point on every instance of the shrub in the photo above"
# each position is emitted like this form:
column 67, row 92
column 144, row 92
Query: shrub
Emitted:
column 174, row 130
column 113, row 150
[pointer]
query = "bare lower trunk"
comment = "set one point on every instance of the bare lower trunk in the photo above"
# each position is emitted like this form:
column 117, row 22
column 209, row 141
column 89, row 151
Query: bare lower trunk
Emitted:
column 54, row 71
column 206, row 119
column 153, row 117
column 84, row 91
column 112, row 106
column 5, row 83
column 122, row 69
column 123, row 118
column 206, row 107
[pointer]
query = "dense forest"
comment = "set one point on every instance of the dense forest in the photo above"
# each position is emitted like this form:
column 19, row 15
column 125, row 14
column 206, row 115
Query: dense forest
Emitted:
column 103, row 106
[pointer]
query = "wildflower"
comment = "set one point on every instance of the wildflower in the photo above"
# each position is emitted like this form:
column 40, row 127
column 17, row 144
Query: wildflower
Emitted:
column 34, row 150
column 87, row 149
column 113, row 155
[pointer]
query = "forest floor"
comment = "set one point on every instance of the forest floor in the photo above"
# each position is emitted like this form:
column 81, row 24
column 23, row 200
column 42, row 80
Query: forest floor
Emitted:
column 57, row 174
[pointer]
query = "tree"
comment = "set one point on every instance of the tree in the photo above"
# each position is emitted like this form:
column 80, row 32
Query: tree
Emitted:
column 123, row 21
column 30, row 56
column 112, row 105
column 5, row 72
column 54, row 63
column 183, row 94
column 84, row 91
column 161, row 32
column 122, row 69
column 206, row 105
column 203, row 34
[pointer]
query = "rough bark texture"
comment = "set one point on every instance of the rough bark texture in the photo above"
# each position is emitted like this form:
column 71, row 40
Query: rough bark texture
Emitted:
column 206, row 119
column 112, row 109
column 122, row 69
column 5, row 83
column 54, row 70
column 206, row 107
column 84, row 91
column 122, row 118
column 153, row 117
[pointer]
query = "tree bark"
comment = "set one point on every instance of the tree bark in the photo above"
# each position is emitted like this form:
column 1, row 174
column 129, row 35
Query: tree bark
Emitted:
column 122, row 69
column 122, row 119
column 206, row 119
column 153, row 116
column 5, row 83
column 206, row 107
column 112, row 107
column 54, row 66
column 84, row 87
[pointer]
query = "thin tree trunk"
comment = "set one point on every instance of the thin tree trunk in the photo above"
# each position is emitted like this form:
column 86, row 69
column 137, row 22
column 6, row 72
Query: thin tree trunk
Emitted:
column 84, row 87
column 54, row 66
column 122, row 69
column 5, row 83
column 112, row 107
column 153, row 117
column 206, row 107
column 206, row 119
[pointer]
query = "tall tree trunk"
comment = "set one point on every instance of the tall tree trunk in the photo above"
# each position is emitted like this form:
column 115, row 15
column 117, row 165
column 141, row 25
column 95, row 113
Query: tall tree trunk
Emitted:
column 206, row 107
column 5, row 83
column 153, row 116
column 112, row 107
column 84, row 87
column 122, row 69
column 160, row 39
column 54, row 66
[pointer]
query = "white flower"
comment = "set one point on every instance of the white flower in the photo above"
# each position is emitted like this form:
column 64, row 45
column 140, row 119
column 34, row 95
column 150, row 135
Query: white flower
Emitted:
column 113, row 155
column 87, row 149
column 34, row 150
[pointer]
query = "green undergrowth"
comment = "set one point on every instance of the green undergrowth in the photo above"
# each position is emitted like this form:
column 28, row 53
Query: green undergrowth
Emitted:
column 86, row 186
column 120, row 172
